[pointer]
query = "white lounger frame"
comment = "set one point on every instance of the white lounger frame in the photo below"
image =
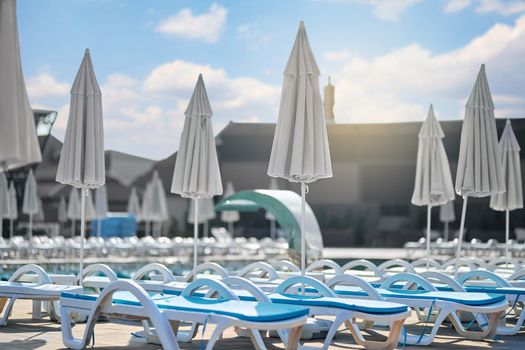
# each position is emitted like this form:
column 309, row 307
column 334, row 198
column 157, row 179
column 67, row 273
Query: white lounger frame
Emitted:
column 165, row 321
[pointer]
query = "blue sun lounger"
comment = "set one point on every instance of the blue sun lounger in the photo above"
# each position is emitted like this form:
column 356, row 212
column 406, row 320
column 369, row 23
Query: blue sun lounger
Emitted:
column 486, row 308
column 126, row 299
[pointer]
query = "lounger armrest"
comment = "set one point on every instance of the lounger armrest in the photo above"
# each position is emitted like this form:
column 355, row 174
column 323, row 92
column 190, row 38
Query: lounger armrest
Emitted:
column 367, row 264
column 96, row 269
column 208, row 266
column 442, row 278
column 248, row 286
column 396, row 262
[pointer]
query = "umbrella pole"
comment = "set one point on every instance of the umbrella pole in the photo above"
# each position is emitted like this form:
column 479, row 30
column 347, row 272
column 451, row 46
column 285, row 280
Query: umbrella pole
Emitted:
column 507, row 233
column 72, row 228
column 30, row 234
column 99, row 228
column 303, row 238
column 82, row 227
column 461, row 229
column 195, row 237
column 11, row 228
column 429, row 209
column 272, row 229
column 446, row 231
column 206, row 229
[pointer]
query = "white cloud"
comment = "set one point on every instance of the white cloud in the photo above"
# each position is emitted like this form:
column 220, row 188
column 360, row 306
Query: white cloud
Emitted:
column 502, row 7
column 207, row 26
column 336, row 56
column 456, row 5
column 254, row 35
column 399, row 85
column 45, row 85
column 385, row 9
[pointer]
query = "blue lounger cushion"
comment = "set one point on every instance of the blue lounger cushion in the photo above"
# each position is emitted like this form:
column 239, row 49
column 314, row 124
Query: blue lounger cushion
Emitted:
column 470, row 299
column 244, row 310
column 377, row 307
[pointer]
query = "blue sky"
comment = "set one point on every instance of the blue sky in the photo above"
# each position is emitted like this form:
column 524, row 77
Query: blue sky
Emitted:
column 389, row 59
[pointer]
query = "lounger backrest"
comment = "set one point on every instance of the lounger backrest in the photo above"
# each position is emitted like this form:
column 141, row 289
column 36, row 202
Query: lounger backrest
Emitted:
column 211, row 285
column 247, row 285
column 159, row 269
column 387, row 265
column 208, row 266
column 410, row 279
column 263, row 268
column 483, row 275
column 97, row 269
column 285, row 265
column 43, row 277
column 305, row 281
column 351, row 280
column 325, row 263
column 504, row 262
column 423, row 263
column 367, row 264
column 439, row 277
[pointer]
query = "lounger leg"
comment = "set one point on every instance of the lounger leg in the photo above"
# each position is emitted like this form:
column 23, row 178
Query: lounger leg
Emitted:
column 220, row 327
column 388, row 344
column 293, row 338
column 7, row 310
column 487, row 333
column 37, row 310
column 256, row 338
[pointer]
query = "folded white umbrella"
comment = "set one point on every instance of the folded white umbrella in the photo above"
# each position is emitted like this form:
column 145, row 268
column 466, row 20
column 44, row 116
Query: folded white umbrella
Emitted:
column 40, row 216
column 13, row 208
column 62, row 212
column 18, row 140
column 230, row 216
column 133, row 207
column 91, row 213
column 30, row 205
column 206, row 213
column 146, row 207
column 512, row 198
column 159, row 205
column 82, row 162
column 101, row 207
column 4, row 200
column 433, row 185
column 479, row 172
column 268, row 216
column 196, row 174
column 300, row 150
column 447, row 214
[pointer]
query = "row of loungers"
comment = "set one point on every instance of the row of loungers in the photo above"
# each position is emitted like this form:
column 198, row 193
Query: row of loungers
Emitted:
column 168, row 300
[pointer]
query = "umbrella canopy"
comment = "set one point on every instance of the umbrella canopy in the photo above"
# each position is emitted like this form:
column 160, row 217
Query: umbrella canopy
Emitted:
column 62, row 210
column 229, row 216
column 13, row 203
column 73, row 205
column 82, row 162
column 196, row 174
column 447, row 212
column 101, row 202
column 82, row 158
column 134, row 205
column 159, row 208
column 30, row 204
column 479, row 172
column 433, row 185
column 91, row 213
column 512, row 198
column 300, row 150
column 206, row 211
column 18, row 140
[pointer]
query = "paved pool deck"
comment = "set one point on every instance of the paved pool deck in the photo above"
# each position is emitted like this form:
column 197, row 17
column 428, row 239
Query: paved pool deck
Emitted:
column 24, row 333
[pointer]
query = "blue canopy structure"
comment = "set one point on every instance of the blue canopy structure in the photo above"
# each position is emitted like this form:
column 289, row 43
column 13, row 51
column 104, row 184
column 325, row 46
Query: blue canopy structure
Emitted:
column 285, row 206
